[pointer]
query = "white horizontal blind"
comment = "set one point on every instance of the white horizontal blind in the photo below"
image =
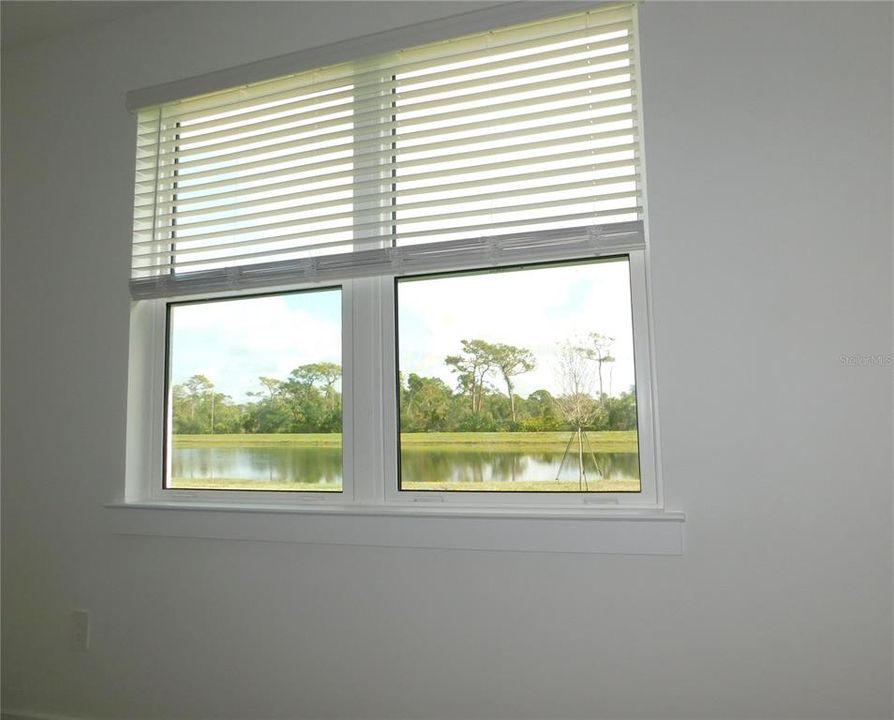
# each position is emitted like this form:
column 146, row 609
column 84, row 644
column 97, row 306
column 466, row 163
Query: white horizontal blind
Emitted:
column 519, row 132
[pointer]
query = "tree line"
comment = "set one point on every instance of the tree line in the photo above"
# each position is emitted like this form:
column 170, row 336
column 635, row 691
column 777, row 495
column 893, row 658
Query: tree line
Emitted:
column 483, row 400
column 304, row 402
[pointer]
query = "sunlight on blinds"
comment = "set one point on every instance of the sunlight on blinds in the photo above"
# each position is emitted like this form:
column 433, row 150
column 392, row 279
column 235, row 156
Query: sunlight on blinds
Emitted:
column 523, row 129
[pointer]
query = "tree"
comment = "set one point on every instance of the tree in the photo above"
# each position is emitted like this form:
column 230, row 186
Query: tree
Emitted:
column 511, row 361
column 271, row 385
column 325, row 374
column 200, row 392
column 622, row 411
column 228, row 416
column 183, row 410
column 597, row 349
column 576, row 404
column 540, row 412
column 311, row 399
column 269, row 413
column 472, row 368
column 426, row 404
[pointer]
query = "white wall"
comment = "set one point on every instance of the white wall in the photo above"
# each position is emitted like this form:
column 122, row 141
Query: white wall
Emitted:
column 768, row 130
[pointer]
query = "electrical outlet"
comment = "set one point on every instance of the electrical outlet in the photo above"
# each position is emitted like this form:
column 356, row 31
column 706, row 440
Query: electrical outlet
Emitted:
column 80, row 630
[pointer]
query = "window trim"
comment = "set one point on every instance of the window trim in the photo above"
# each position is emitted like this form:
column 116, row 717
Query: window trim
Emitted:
column 586, row 531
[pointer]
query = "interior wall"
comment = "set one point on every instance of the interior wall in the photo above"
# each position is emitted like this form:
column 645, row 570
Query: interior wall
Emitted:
column 768, row 156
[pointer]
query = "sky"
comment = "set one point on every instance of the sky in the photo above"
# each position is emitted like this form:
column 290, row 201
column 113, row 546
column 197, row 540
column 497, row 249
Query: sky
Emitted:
column 234, row 342
column 538, row 309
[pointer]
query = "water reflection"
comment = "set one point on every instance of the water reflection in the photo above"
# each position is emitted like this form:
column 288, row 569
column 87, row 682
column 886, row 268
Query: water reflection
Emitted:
column 418, row 464
column 321, row 466
column 425, row 465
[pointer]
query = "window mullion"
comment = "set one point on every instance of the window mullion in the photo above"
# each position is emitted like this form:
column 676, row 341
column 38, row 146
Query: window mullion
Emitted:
column 373, row 165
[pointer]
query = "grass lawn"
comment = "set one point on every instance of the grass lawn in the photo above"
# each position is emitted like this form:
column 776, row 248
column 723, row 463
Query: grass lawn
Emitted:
column 330, row 440
column 631, row 485
column 627, row 485
column 254, row 485
column 613, row 441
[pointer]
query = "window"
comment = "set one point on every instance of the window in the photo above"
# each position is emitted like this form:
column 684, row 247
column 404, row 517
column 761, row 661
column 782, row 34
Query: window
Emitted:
column 502, row 391
column 414, row 277
column 273, row 419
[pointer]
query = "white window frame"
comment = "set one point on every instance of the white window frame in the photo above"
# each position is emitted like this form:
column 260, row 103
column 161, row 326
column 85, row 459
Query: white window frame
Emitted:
column 148, row 419
column 371, row 510
column 369, row 406
column 649, row 495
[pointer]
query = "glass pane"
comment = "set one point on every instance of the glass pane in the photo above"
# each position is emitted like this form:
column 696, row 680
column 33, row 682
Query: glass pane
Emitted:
column 254, row 393
column 518, row 380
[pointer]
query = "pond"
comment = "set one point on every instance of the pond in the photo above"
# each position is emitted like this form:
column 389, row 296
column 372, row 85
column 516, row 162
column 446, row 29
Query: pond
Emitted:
column 431, row 466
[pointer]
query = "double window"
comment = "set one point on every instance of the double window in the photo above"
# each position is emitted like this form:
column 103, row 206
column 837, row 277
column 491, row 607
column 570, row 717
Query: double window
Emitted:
column 414, row 277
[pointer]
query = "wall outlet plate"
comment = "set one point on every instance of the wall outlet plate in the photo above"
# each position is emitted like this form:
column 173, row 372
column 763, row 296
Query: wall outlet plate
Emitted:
column 80, row 630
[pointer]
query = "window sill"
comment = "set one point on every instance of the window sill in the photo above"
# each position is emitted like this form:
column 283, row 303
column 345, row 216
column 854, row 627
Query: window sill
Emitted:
column 588, row 530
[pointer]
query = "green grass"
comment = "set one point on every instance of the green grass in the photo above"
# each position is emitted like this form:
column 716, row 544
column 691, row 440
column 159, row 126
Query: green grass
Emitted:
column 237, row 484
column 627, row 485
column 613, row 441
column 631, row 485
column 327, row 440
column 623, row 441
